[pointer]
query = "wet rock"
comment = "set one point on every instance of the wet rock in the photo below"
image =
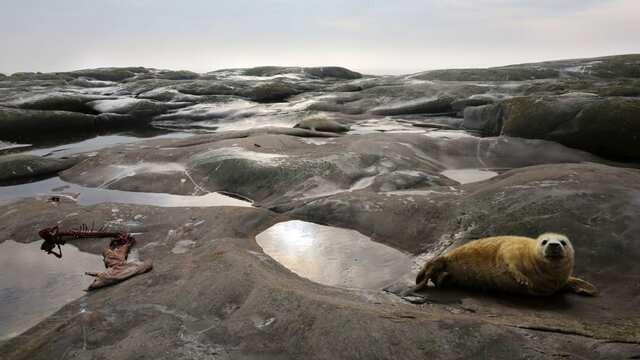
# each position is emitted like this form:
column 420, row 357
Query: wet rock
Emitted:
column 460, row 105
column 22, row 125
column 491, row 74
column 177, row 75
column 487, row 118
column 225, row 108
column 622, row 88
column 26, row 76
column 141, row 108
column 56, row 101
column 346, row 88
column 276, row 170
column 266, row 71
column 271, row 92
column 319, row 123
column 558, row 86
column 138, row 86
column 393, row 187
column 318, row 72
column 438, row 105
column 17, row 167
column 88, row 83
column 109, row 122
column 332, row 72
column 604, row 126
column 109, row 74
column 206, row 87
column 168, row 94
column 272, row 304
column 616, row 66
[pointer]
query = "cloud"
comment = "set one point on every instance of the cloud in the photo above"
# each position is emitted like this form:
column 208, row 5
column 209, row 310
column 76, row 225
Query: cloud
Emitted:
column 372, row 36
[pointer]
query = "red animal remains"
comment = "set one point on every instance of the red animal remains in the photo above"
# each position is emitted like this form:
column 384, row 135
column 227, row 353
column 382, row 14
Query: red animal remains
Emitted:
column 114, row 256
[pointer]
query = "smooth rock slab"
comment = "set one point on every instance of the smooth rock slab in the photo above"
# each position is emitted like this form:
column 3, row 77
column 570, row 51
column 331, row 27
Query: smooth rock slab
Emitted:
column 18, row 166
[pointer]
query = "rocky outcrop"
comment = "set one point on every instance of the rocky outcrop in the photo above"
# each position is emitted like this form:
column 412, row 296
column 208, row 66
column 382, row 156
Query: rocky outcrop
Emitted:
column 62, row 101
column 277, row 312
column 604, row 126
column 21, row 125
column 271, row 92
column 109, row 74
column 177, row 75
column 403, row 175
column 23, row 167
column 138, row 108
column 332, row 72
column 323, row 72
column 491, row 74
column 426, row 106
column 276, row 170
column 322, row 124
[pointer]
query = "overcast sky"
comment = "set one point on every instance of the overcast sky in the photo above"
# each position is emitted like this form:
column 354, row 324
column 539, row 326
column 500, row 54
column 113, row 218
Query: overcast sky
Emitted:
column 371, row 36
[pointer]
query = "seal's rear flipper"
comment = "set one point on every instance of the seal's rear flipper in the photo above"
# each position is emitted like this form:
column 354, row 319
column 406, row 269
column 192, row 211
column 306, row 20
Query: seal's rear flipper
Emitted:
column 581, row 287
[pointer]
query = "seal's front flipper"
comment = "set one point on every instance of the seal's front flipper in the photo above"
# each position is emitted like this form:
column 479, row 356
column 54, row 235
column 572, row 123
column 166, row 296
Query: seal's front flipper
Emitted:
column 581, row 287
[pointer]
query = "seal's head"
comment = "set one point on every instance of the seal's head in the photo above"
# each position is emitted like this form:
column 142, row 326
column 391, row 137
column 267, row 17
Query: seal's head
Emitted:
column 554, row 247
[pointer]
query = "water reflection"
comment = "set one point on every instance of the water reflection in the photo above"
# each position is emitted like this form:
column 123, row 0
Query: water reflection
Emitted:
column 333, row 256
column 100, row 142
column 34, row 286
column 91, row 196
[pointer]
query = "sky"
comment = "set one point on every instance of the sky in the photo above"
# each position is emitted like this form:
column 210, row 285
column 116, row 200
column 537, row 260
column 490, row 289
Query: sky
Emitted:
column 370, row 36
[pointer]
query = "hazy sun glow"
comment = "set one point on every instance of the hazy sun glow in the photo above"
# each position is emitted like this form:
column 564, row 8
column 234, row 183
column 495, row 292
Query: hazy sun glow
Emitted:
column 368, row 36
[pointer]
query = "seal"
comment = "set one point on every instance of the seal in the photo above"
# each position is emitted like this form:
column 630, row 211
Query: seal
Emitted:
column 513, row 264
column 321, row 123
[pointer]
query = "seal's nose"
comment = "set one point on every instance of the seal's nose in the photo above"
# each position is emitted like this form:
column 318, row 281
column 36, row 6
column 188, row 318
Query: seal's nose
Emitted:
column 554, row 246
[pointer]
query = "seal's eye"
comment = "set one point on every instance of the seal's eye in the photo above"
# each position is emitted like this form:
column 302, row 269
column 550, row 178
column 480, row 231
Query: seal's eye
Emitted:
column 564, row 243
column 544, row 242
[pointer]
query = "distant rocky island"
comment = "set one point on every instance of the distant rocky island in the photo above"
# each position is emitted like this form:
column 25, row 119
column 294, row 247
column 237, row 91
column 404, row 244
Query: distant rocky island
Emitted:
column 311, row 160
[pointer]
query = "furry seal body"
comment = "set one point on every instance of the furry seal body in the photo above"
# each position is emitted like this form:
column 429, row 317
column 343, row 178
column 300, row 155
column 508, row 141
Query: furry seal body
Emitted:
column 513, row 264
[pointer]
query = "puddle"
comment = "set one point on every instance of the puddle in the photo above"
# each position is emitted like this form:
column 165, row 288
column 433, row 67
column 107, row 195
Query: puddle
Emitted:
column 449, row 134
column 334, row 256
column 236, row 153
column 465, row 176
column 34, row 285
column 100, row 142
column 91, row 196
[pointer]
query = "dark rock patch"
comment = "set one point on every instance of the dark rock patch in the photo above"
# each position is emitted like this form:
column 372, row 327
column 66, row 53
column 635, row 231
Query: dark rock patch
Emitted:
column 332, row 72
column 271, row 92
column 428, row 106
column 604, row 126
column 138, row 108
column 57, row 101
column 20, row 125
column 23, row 167
column 177, row 75
column 109, row 74
column 491, row 74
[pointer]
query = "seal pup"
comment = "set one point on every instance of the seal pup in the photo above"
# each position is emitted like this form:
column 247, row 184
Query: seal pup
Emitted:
column 513, row 264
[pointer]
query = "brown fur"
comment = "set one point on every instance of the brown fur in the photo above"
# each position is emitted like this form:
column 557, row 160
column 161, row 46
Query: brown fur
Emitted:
column 514, row 264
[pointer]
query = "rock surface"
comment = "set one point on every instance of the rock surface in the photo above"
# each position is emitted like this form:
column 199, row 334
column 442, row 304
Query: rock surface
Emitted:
column 23, row 167
column 604, row 126
column 410, row 172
